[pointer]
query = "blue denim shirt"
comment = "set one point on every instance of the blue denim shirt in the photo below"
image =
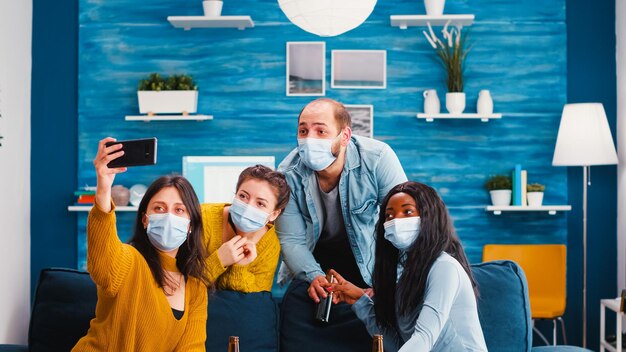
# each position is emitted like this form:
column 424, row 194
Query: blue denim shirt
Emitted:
column 371, row 169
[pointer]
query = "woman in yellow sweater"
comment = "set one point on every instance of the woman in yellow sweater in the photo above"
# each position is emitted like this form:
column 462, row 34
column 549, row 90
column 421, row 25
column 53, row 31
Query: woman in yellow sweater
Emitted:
column 152, row 293
column 242, row 244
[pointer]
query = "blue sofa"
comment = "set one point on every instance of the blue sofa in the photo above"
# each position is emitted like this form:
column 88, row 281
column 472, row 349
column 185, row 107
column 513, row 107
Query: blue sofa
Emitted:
column 65, row 302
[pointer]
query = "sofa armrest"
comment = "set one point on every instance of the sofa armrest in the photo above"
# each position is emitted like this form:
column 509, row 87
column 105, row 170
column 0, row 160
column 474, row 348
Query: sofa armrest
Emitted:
column 13, row 348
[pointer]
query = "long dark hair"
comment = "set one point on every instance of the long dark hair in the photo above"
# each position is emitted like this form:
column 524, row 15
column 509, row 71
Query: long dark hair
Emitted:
column 191, row 255
column 436, row 235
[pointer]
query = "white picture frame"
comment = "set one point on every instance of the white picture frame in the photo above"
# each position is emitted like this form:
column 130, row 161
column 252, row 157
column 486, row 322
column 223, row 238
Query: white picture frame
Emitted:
column 306, row 69
column 362, row 116
column 214, row 178
column 358, row 69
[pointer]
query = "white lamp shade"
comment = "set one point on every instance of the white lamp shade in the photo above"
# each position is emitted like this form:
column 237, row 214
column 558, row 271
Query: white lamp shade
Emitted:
column 327, row 18
column 584, row 137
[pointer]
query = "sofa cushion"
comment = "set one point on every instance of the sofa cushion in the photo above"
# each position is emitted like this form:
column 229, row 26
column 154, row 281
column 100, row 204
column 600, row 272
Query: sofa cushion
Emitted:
column 65, row 302
column 503, row 306
column 251, row 316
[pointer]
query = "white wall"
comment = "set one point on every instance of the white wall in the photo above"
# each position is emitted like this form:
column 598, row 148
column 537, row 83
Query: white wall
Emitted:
column 15, row 76
column 620, row 29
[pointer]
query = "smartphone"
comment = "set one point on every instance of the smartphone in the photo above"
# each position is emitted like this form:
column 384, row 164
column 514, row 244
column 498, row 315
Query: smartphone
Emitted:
column 137, row 152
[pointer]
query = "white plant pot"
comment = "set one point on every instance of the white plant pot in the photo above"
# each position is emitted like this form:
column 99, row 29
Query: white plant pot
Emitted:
column 455, row 102
column 212, row 8
column 534, row 199
column 501, row 197
column 168, row 101
column 434, row 7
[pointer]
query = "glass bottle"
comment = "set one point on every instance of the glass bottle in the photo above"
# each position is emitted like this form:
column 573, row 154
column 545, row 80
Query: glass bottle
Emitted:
column 233, row 344
column 322, row 313
column 377, row 345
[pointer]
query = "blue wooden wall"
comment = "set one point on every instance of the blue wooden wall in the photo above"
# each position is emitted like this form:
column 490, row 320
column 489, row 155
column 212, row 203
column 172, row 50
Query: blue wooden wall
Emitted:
column 518, row 53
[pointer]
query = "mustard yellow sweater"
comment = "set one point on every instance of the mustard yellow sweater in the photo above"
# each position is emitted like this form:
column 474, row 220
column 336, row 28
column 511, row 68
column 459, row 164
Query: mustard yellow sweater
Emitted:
column 254, row 277
column 132, row 313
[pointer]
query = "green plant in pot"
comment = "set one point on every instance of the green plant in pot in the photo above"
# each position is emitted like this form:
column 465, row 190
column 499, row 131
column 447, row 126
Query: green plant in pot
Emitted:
column 500, row 189
column 451, row 52
column 176, row 94
column 534, row 194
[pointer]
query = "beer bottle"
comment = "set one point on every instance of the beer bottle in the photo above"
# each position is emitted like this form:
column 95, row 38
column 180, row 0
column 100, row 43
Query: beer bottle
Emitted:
column 322, row 313
column 377, row 346
column 233, row 344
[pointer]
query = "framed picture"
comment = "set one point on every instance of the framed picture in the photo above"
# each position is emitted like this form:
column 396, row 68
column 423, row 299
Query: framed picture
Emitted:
column 306, row 68
column 214, row 178
column 362, row 119
column 359, row 69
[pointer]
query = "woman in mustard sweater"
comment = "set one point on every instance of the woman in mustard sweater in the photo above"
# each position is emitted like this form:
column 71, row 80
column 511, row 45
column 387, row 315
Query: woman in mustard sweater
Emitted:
column 152, row 293
column 242, row 244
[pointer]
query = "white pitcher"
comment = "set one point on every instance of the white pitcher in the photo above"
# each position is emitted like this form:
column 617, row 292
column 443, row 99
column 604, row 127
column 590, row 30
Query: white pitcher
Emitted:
column 431, row 102
column 484, row 106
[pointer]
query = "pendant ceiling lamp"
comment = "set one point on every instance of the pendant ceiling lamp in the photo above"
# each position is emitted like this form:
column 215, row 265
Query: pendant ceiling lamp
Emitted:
column 327, row 18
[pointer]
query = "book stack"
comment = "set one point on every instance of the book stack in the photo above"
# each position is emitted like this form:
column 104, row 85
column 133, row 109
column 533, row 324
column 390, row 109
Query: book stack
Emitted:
column 520, row 179
column 85, row 196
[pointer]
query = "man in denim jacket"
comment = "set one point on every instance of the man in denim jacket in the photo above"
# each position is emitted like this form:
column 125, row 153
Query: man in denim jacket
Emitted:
column 338, row 181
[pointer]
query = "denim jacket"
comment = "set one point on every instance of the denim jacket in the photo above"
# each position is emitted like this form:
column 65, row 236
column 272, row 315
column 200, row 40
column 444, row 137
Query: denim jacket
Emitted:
column 371, row 169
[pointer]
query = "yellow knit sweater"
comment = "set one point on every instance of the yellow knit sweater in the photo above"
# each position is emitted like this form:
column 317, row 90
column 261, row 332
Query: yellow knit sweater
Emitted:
column 132, row 313
column 254, row 277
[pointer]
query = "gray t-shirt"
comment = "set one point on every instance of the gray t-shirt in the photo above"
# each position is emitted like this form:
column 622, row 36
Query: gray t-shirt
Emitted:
column 333, row 250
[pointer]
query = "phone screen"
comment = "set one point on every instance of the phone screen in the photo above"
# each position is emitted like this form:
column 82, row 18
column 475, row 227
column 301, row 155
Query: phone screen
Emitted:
column 137, row 152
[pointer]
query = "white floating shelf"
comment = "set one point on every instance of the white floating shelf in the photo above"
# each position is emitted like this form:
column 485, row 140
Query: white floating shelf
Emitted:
column 87, row 207
column 189, row 22
column 551, row 209
column 405, row 21
column 482, row 117
column 148, row 118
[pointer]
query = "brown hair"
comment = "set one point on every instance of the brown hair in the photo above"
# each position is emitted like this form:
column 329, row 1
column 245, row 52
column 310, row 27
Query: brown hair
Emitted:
column 274, row 178
column 342, row 116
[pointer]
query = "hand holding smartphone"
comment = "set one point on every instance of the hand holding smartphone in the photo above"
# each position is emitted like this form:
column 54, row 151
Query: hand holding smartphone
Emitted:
column 137, row 152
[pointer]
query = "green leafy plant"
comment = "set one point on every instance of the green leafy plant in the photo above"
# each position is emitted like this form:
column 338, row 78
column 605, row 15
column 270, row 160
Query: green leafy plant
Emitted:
column 535, row 187
column 451, row 52
column 156, row 82
column 499, row 182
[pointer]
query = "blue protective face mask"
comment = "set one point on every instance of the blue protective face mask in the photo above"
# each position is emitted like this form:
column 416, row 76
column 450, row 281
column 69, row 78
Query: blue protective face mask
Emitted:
column 167, row 231
column 316, row 153
column 402, row 232
column 246, row 217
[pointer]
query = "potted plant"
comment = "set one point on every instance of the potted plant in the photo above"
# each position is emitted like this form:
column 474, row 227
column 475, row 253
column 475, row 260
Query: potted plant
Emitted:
column 500, row 189
column 177, row 94
column 534, row 194
column 451, row 52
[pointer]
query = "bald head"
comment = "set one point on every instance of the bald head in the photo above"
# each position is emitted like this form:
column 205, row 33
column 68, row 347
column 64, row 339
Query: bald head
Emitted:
column 323, row 106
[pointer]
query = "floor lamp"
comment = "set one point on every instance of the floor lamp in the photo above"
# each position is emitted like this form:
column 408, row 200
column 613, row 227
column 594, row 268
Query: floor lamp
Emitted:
column 584, row 139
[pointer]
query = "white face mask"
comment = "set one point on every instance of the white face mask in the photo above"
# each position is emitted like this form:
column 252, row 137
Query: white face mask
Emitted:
column 402, row 232
column 167, row 231
column 316, row 153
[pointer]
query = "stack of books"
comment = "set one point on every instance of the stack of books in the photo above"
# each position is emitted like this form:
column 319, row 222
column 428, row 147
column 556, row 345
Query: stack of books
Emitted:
column 85, row 196
column 520, row 179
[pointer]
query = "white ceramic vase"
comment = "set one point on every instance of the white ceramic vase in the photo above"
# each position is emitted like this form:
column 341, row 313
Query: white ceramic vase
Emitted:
column 431, row 102
column 501, row 197
column 434, row 7
column 212, row 8
column 484, row 106
column 455, row 102
column 535, row 199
